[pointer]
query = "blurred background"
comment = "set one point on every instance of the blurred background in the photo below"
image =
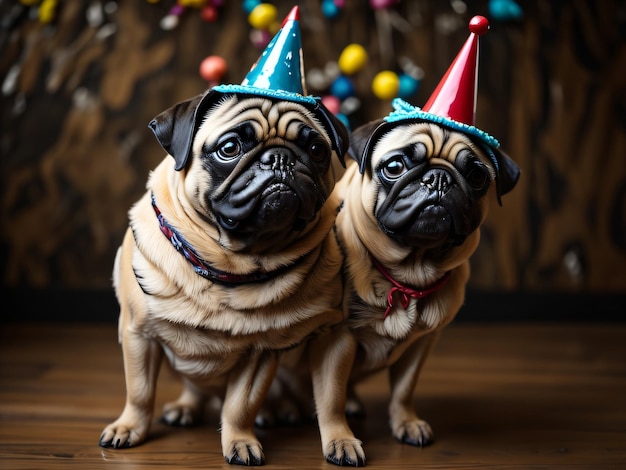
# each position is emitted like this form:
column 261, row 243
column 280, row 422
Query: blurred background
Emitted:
column 81, row 81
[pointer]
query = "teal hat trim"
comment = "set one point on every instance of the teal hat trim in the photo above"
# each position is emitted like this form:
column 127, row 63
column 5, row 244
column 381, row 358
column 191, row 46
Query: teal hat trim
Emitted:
column 267, row 93
column 405, row 111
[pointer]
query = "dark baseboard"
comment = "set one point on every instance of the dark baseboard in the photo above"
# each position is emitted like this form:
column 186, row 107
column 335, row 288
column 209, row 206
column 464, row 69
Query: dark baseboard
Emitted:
column 97, row 306
column 543, row 307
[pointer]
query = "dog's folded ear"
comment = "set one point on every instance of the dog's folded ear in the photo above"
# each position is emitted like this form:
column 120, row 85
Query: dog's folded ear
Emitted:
column 361, row 139
column 507, row 175
column 175, row 127
column 337, row 131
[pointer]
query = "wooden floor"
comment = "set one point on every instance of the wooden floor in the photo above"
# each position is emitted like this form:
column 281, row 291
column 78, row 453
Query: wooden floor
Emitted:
column 498, row 396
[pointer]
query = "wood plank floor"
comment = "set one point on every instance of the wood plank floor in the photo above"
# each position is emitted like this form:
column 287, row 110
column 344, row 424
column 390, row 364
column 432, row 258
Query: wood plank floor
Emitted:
column 498, row 396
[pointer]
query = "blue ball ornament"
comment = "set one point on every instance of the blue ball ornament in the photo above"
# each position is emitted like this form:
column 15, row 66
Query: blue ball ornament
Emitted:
column 505, row 10
column 408, row 86
column 329, row 9
column 249, row 5
column 342, row 87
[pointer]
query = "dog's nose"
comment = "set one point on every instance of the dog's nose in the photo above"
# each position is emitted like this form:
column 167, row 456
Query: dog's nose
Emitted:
column 437, row 180
column 278, row 158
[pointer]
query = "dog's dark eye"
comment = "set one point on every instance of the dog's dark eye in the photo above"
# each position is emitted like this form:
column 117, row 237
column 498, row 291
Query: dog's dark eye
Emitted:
column 229, row 149
column 319, row 151
column 476, row 172
column 393, row 169
column 478, row 178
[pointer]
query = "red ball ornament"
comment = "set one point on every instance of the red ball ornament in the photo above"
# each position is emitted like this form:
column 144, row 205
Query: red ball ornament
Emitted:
column 213, row 68
column 332, row 103
column 209, row 14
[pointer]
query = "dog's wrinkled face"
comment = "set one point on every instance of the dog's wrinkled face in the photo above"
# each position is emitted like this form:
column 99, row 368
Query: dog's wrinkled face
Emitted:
column 258, row 169
column 430, row 182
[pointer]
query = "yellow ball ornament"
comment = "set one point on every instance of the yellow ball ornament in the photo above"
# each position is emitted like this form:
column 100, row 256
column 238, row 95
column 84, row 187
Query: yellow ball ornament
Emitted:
column 47, row 10
column 352, row 59
column 386, row 85
column 263, row 16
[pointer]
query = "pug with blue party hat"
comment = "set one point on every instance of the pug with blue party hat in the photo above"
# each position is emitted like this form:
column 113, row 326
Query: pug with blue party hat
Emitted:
column 226, row 262
column 414, row 196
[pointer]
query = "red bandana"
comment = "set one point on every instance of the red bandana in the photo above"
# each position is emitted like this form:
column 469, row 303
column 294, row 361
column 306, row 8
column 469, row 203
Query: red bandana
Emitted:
column 406, row 292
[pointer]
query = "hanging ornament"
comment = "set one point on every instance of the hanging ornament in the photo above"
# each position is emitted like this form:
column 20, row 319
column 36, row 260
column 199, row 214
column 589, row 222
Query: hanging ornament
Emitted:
column 316, row 78
column 171, row 20
column 352, row 59
column 209, row 13
column 332, row 8
column 386, row 85
column 342, row 87
column 407, row 86
column 260, row 38
column 410, row 78
column 249, row 5
column 505, row 10
column 350, row 105
column 332, row 103
column 192, row 3
column 212, row 69
column 263, row 16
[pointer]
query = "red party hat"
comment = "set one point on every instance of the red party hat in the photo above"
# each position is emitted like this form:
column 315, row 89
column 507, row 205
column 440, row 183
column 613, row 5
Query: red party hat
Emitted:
column 455, row 96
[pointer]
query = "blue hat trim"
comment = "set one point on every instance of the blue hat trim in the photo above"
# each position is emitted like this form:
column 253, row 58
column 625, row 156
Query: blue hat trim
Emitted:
column 267, row 93
column 404, row 111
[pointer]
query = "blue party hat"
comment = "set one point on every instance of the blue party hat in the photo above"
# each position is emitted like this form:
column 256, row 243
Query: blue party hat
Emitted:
column 279, row 71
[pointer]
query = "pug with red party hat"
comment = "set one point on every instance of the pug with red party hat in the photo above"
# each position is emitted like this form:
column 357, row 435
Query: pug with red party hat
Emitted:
column 227, row 261
column 414, row 201
column 414, row 198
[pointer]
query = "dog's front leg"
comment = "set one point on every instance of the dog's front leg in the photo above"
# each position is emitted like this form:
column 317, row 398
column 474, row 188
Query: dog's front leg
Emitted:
column 142, row 360
column 246, row 389
column 331, row 357
column 406, row 426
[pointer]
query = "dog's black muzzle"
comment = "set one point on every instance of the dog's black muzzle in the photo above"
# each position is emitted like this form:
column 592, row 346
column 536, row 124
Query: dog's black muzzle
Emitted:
column 429, row 208
column 276, row 193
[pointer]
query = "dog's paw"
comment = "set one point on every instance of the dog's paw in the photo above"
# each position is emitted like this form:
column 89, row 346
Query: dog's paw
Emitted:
column 177, row 414
column 120, row 436
column 415, row 432
column 345, row 453
column 246, row 452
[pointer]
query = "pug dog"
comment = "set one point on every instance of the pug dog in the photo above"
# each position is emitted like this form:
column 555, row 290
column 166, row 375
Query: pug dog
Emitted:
column 225, row 263
column 414, row 200
column 414, row 196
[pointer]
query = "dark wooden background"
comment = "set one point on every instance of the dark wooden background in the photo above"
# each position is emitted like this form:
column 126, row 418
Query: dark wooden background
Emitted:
column 77, row 96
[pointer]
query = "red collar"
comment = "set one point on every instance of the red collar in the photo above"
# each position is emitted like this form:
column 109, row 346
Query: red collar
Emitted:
column 406, row 291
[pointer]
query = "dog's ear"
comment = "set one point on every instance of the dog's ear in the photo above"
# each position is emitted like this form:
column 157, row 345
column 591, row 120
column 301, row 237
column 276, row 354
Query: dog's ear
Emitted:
column 360, row 141
column 176, row 127
column 337, row 130
column 507, row 175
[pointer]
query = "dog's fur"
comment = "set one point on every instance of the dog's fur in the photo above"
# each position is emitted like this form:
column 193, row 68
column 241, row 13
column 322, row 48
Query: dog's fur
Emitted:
column 414, row 201
column 249, row 188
